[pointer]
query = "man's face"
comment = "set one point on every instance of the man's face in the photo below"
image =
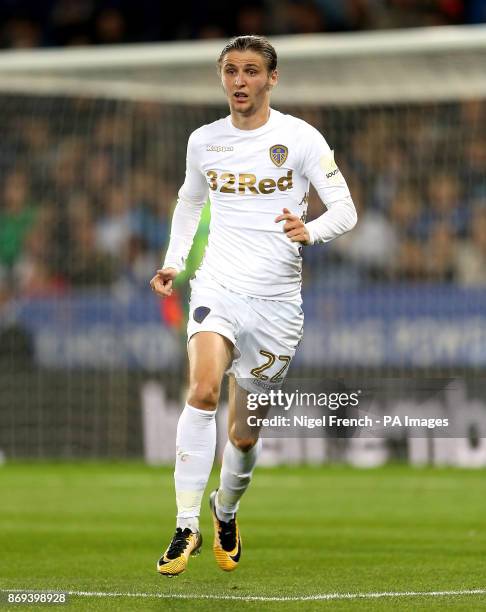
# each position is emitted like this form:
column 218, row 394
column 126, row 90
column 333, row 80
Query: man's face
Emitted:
column 246, row 81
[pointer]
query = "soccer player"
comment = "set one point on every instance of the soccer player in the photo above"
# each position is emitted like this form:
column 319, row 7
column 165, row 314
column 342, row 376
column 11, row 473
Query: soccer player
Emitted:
column 245, row 316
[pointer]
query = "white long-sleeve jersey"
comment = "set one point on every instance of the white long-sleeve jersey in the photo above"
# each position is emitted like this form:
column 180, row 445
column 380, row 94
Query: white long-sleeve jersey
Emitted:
column 251, row 175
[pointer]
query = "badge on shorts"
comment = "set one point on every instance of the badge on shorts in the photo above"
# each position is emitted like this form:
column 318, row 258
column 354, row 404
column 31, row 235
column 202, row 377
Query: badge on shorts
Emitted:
column 200, row 313
column 278, row 154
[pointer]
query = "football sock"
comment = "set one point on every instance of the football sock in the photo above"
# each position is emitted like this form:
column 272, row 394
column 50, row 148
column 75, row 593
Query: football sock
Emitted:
column 195, row 447
column 236, row 473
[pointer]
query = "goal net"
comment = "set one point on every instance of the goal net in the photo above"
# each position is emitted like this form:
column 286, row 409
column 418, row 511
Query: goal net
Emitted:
column 92, row 156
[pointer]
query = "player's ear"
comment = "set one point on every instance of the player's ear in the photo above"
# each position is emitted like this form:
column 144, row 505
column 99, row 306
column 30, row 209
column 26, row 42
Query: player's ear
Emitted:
column 273, row 79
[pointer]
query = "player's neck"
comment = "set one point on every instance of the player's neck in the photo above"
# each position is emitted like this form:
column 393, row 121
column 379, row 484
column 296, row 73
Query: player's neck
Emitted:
column 251, row 122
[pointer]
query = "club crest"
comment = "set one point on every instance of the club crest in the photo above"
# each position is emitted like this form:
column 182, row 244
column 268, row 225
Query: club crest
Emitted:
column 278, row 154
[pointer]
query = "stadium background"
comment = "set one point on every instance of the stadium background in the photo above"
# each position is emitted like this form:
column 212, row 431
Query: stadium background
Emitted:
column 92, row 368
column 92, row 365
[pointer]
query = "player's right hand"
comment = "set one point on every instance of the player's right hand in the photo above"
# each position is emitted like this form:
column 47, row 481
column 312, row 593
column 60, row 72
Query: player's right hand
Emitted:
column 161, row 283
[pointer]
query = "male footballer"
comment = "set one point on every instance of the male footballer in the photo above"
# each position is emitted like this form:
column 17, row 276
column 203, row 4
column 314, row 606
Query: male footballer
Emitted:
column 245, row 315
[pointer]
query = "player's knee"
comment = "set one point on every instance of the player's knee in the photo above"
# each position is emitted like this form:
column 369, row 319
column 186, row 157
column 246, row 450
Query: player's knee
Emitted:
column 204, row 395
column 243, row 444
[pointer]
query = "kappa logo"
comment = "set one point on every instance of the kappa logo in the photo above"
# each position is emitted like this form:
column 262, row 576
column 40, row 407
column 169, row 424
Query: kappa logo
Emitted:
column 278, row 154
column 219, row 148
column 183, row 456
column 305, row 199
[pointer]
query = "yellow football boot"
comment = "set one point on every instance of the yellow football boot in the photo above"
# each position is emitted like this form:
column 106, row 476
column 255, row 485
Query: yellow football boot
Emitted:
column 184, row 544
column 227, row 541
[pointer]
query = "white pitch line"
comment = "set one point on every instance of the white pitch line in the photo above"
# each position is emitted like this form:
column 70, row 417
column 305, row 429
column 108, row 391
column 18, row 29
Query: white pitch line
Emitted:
column 317, row 597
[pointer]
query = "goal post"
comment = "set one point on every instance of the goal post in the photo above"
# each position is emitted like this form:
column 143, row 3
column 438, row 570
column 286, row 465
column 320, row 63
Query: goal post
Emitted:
column 412, row 65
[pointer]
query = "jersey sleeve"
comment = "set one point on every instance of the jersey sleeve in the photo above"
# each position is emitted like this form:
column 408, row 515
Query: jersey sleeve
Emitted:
column 191, row 200
column 321, row 169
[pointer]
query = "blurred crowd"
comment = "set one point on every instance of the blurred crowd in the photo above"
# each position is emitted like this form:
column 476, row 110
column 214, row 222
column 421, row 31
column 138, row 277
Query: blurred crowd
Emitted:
column 418, row 178
column 30, row 23
column 88, row 188
column 85, row 200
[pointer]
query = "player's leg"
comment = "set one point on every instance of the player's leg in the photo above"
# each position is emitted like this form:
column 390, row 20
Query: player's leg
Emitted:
column 267, row 346
column 239, row 459
column 209, row 356
column 240, row 453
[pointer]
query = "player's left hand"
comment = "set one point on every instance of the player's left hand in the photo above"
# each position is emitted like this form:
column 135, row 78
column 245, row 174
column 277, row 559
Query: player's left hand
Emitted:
column 294, row 227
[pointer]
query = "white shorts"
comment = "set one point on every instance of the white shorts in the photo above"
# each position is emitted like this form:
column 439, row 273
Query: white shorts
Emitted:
column 265, row 333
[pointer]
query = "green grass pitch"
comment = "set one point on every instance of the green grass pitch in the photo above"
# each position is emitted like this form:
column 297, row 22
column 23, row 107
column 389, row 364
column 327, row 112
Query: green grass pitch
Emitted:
column 98, row 527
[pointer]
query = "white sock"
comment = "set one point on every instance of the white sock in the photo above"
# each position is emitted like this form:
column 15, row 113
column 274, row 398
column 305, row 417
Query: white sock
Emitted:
column 195, row 447
column 236, row 473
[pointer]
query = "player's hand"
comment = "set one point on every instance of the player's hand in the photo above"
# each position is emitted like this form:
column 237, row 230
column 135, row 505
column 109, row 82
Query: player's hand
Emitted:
column 161, row 283
column 294, row 227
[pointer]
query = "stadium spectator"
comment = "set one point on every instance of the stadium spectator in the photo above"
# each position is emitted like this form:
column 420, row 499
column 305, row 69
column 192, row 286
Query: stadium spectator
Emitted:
column 405, row 209
column 411, row 13
column 303, row 17
column 21, row 33
column 473, row 173
column 34, row 273
column 136, row 261
column 66, row 159
column 87, row 266
column 393, row 168
column 17, row 215
column 409, row 261
column 470, row 260
column 123, row 184
column 373, row 242
column 341, row 16
column 360, row 155
column 113, row 227
column 110, row 27
column 444, row 205
column 440, row 252
column 251, row 18
column 84, row 22
column 69, row 22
